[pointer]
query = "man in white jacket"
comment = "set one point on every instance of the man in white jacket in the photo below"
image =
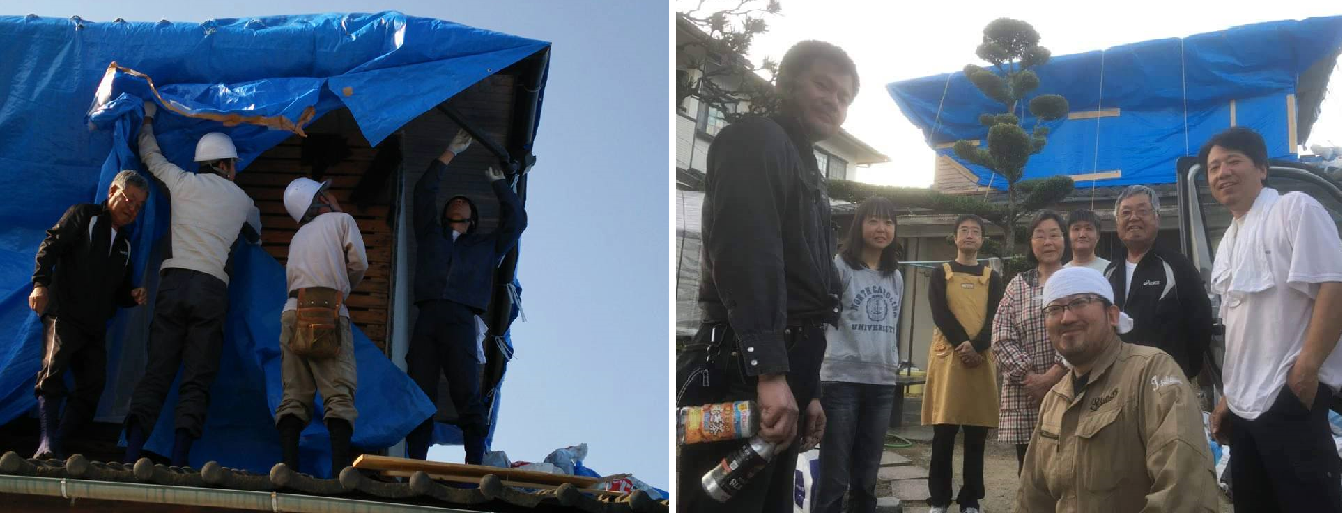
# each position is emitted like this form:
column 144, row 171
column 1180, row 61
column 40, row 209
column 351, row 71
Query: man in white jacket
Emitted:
column 1278, row 271
column 208, row 213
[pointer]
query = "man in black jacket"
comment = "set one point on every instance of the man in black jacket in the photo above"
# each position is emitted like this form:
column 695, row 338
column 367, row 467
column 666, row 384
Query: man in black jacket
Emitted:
column 769, row 285
column 454, row 274
column 1160, row 290
column 83, row 274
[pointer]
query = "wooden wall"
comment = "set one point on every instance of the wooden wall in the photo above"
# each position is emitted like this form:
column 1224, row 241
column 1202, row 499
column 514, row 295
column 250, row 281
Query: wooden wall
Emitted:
column 265, row 180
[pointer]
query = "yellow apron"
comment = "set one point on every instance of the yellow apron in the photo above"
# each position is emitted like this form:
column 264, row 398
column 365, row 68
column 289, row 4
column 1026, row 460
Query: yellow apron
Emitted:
column 956, row 394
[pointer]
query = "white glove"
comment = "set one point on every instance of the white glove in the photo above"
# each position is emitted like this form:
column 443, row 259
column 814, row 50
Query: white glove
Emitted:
column 150, row 109
column 493, row 174
column 460, row 142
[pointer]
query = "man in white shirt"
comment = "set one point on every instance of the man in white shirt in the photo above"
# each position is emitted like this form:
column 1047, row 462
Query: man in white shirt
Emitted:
column 1083, row 232
column 326, row 261
column 1278, row 271
column 208, row 213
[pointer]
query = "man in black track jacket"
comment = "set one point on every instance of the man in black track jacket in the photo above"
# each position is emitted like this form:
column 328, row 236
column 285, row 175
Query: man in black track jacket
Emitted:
column 83, row 274
column 1160, row 290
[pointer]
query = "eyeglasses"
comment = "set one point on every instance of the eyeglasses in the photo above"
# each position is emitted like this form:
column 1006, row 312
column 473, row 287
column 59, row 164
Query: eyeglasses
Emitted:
column 1051, row 236
column 137, row 205
column 1075, row 305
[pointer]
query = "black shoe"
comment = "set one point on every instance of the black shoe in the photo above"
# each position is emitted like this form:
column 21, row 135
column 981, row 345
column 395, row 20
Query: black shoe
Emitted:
column 341, row 432
column 290, row 428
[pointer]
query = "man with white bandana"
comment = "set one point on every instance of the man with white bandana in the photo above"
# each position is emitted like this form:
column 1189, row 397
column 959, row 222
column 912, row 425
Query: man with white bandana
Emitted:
column 1278, row 271
column 1122, row 432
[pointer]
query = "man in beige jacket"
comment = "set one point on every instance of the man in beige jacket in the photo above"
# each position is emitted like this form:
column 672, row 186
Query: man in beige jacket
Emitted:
column 1122, row 432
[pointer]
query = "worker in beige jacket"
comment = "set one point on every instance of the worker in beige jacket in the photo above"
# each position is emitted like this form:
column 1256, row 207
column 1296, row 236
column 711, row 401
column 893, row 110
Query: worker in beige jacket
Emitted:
column 1122, row 431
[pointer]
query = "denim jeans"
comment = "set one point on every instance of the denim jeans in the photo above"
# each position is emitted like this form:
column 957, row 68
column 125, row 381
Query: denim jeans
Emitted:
column 857, row 416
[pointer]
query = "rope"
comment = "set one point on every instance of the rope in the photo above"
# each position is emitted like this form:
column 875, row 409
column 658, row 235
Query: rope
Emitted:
column 1183, row 79
column 1099, row 106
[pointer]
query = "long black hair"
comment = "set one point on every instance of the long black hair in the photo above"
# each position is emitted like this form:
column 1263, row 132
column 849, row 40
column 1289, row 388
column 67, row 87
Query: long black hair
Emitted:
column 879, row 208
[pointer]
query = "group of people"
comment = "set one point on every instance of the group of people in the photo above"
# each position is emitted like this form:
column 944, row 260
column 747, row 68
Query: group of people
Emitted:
column 84, row 274
column 1086, row 366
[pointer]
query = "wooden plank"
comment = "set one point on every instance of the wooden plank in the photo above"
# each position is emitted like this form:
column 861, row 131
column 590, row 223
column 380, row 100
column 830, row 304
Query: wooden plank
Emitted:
column 383, row 463
column 362, row 317
column 365, row 300
column 1093, row 114
column 381, row 240
column 295, row 168
column 515, row 484
column 248, row 180
column 282, row 221
column 285, row 151
column 275, row 207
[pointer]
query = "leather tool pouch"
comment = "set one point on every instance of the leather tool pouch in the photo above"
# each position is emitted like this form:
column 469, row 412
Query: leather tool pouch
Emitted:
column 317, row 324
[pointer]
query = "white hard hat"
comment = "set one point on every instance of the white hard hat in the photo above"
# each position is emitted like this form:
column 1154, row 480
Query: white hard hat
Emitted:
column 298, row 196
column 215, row 146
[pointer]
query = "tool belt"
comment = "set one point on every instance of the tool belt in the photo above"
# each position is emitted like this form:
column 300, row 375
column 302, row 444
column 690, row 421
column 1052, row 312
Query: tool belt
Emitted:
column 317, row 323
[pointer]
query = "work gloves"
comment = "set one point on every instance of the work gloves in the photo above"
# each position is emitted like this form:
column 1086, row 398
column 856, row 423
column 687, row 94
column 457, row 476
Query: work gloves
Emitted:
column 460, row 142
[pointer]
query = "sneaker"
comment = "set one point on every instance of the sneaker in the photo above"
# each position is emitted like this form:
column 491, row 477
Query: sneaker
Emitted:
column 971, row 509
column 937, row 509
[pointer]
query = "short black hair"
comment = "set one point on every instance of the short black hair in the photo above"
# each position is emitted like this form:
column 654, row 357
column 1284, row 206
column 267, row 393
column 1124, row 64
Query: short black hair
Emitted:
column 968, row 217
column 1038, row 220
column 1083, row 215
column 799, row 58
column 1242, row 139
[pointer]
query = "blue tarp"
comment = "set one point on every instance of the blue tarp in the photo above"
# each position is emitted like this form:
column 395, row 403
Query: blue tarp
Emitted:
column 1172, row 95
column 276, row 74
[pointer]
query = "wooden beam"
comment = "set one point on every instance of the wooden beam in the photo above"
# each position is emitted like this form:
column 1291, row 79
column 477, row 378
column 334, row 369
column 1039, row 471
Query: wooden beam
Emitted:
column 1098, row 175
column 1093, row 114
column 515, row 484
column 383, row 463
column 1291, row 135
column 943, row 146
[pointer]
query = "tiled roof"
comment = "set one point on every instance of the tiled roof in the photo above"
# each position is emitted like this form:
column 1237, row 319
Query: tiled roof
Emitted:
column 238, row 489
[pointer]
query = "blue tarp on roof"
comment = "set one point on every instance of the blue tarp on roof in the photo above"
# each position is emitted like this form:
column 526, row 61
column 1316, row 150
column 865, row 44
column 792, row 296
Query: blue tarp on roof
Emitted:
column 275, row 74
column 1171, row 96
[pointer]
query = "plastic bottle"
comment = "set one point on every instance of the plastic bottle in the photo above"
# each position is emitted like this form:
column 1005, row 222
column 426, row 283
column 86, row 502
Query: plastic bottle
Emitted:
column 716, row 422
column 736, row 470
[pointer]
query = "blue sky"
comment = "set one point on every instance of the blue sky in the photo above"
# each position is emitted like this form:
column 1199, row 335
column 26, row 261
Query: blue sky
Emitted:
column 592, row 359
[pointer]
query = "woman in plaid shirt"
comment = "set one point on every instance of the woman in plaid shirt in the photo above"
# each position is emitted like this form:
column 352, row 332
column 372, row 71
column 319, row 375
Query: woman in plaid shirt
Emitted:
column 1026, row 359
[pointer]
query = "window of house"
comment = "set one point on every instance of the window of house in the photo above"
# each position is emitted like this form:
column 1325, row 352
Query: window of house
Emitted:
column 838, row 168
column 822, row 161
column 711, row 120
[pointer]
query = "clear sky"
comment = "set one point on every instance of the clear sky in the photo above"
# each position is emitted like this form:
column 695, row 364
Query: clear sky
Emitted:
column 591, row 362
column 893, row 41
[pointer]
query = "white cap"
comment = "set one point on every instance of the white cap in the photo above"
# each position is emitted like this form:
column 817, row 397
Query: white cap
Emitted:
column 1082, row 280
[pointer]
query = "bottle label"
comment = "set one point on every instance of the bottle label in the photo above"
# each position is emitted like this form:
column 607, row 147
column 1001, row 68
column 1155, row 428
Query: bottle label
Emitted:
column 717, row 422
column 737, row 469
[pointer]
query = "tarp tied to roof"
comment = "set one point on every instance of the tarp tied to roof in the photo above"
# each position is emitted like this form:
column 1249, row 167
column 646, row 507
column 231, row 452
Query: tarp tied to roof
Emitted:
column 1171, row 95
column 273, row 75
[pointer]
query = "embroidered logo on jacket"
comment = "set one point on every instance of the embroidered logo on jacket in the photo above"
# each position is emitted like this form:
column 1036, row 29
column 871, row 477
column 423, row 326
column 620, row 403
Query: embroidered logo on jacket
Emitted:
column 1157, row 382
column 1151, row 283
column 1097, row 402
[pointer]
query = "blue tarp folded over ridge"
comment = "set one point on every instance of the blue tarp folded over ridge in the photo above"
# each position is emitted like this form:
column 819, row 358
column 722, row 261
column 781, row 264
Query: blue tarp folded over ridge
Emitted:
column 258, row 80
column 1171, row 95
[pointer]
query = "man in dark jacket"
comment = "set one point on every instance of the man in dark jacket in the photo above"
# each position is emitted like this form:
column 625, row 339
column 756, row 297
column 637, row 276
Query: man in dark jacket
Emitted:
column 83, row 274
column 1160, row 290
column 454, row 274
column 769, row 285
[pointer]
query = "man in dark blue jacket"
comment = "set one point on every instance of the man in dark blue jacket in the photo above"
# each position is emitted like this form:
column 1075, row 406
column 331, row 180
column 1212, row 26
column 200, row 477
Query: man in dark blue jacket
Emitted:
column 454, row 274
column 83, row 274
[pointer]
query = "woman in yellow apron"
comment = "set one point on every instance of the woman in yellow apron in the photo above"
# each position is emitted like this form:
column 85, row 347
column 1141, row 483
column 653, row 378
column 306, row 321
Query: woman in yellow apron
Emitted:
column 961, row 387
